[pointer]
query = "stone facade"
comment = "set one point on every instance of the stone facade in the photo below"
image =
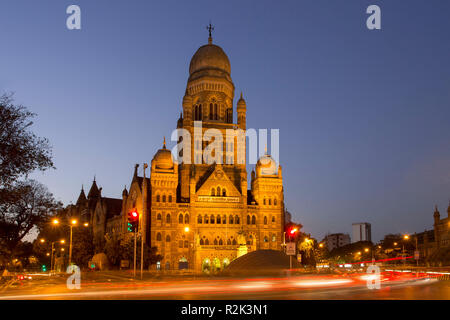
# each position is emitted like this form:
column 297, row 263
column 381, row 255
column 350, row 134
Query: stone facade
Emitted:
column 200, row 216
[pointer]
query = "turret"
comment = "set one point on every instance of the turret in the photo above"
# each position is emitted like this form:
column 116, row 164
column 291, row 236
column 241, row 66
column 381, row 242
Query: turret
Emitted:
column 241, row 113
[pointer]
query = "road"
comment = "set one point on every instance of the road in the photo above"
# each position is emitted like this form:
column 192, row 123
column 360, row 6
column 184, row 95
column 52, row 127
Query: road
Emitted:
column 333, row 286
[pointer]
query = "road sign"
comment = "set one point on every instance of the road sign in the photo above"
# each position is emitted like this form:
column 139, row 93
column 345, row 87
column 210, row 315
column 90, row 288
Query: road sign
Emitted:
column 290, row 248
column 416, row 255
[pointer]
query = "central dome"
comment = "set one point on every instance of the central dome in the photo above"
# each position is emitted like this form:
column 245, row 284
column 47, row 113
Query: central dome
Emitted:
column 209, row 56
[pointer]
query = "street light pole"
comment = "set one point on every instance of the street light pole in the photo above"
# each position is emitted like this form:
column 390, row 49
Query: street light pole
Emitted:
column 134, row 254
column 70, row 247
column 51, row 262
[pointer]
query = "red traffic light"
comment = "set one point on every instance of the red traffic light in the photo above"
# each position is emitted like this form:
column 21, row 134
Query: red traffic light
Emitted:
column 293, row 231
column 134, row 214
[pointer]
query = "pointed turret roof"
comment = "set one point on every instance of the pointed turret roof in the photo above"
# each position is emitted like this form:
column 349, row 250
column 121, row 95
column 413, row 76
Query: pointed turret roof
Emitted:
column 94, row 191
column 81, row 197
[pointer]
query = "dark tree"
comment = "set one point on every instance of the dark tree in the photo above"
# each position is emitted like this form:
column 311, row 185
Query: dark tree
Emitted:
column 21, row 151
column 26, row 205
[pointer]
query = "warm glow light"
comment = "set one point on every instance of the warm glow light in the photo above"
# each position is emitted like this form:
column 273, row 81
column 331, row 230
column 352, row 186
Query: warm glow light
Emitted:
column 321, row 245
column 48, row 254
column 134, row 214
column 395, row 243
column 86, row 224
column 293, row 230
column 74, row 222
column 42, row 240
column 62, row 241
column 55, row 221
column 62, row 249
column 406, row 237
column 359, row 252
column 186, row 229
column 366, row 249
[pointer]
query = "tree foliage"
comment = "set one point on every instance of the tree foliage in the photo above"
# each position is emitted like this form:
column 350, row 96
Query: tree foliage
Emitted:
column 27, row 205
column 21, row 151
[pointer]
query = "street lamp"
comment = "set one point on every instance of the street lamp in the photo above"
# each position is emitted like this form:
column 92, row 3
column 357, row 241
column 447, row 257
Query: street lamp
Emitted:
column 62, row 241
column 73, row 223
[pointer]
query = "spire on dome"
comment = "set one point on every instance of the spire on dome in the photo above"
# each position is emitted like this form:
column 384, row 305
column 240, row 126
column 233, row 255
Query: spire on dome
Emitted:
column 164, row 143
column 210, row 28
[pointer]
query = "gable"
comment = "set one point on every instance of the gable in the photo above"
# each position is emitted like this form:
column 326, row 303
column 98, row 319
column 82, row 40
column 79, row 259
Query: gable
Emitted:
column 218, row 179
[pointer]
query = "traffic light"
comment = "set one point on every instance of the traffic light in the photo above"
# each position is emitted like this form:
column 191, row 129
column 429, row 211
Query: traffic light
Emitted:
column 133, row 221
column 44, row 268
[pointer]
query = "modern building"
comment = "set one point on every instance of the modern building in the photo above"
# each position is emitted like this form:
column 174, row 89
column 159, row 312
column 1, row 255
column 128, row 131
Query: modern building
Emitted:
column 199, row 215
column 361, row 232
column 336, row 240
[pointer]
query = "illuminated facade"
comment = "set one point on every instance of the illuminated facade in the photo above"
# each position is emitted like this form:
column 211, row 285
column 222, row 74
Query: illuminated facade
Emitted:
column 201, row 216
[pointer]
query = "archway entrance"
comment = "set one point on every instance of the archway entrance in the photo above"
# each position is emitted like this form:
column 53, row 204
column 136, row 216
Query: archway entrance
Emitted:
column 226, row 262
column 206, row 266
column 183, row 263
column 216, row 265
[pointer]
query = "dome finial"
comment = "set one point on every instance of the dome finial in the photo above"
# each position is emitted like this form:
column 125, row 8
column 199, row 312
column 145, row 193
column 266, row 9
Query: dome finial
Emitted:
column 265, row 149
column 164, row 143
column 210, row 28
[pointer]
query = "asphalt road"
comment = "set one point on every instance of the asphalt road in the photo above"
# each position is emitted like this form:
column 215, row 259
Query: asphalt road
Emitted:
column 113, row 286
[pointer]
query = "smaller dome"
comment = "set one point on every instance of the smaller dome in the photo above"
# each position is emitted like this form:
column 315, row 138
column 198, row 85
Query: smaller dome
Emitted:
column 163, row 158
column 267, row 165
column 241, row 103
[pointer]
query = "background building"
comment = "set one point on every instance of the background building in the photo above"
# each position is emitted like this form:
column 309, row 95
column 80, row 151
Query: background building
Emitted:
column 336, row 240
column 361, row 231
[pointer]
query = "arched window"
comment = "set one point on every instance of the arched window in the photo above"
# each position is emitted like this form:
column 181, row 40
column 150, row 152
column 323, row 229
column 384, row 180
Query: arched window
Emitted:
column 211, row 111
column 206, row 242
column 231, row 220
column 234, row 242
column 186, row 244
column 228, row 242
column 224, row 192
column 218, row 220
column 202, row 243
column 229, row 115
column 266, row 239
column 236, row 220
column 253, row 220
column 158, row 198
column 206, row 219
column 186, row 219
column 167, row 238
column 273, row 219
column 274, row 238
column 213, row 192
column 220, row 242
column 218, row 191
column 224, row 220
column 168, row 218
column 275, row 201
column 199, row 219
column 264, row 201
column 215, row 242
column 265, row 220
column 212, row 219
column 164, row 198
column 180, row 244
column 158, row 217
column 198, row 112
column 270, row 202
column 158, row 237
column 170, row 198
column 248, row 219
column 180, row 218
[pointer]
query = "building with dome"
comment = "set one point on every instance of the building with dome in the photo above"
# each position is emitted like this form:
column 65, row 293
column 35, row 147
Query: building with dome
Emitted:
column 200, row 215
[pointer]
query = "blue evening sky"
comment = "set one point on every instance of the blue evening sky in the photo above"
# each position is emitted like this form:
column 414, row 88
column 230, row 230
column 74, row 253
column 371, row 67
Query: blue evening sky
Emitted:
column 364, row 116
